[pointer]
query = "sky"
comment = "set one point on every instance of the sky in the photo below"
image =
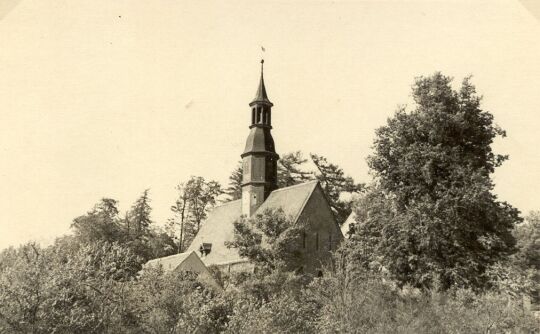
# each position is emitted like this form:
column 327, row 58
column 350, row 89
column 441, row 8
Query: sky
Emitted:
column 107, row 98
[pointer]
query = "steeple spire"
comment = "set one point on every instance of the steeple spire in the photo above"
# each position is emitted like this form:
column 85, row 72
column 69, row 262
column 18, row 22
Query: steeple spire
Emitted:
column 261, row 95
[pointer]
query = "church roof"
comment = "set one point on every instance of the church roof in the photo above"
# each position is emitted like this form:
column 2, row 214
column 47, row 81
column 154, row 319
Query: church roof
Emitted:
column 259, row 140
column 219, row 227
column 261, row 95
column 291, row 199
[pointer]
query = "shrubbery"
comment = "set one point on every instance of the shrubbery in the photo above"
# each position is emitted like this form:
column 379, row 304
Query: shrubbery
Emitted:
column 96, row 289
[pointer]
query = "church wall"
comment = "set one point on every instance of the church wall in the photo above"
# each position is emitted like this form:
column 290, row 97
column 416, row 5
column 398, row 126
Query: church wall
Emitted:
column 237, row 266
column 322, row 234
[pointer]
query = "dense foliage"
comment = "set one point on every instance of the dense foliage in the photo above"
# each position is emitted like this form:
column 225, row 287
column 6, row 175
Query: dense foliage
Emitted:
column 135, row 230
column 431, row 215
column 68, row 288
column 269, row 240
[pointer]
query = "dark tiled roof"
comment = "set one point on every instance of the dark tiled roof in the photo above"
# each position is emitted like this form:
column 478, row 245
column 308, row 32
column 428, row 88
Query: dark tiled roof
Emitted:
column 259, row 140
column 261, row 95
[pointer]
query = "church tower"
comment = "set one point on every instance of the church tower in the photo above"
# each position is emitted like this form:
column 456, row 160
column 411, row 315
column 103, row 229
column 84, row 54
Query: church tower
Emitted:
column 259, row 160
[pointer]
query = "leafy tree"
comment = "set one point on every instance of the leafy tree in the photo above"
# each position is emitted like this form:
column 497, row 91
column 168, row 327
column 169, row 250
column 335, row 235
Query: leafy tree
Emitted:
column 528, row 242
column 335, row 183
column 527, row 259
column 195, row 198
column 282, row 314
column 359, row 301
column 269, row 239
column 431, row 215
column 101, row 223
column 176, row 302
column 23, row 273
column 65, row 289
column 160, row 243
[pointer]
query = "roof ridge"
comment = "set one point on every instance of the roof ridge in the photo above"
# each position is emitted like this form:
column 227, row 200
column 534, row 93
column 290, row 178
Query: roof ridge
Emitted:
column 304, row 203
column 296, row 185
column 226, row 203
column 170, row 256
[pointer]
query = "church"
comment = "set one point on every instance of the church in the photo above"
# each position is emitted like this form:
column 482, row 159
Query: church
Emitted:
column 305, row 203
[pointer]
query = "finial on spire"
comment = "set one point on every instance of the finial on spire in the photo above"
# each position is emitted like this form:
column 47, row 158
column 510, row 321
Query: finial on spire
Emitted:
column 262, row 66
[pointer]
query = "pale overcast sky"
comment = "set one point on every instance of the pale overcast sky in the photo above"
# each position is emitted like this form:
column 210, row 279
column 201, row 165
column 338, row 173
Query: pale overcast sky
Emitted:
column 106, row 98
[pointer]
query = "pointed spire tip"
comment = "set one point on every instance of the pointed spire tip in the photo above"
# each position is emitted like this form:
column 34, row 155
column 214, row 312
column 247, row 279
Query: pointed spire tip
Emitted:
column 261, row 95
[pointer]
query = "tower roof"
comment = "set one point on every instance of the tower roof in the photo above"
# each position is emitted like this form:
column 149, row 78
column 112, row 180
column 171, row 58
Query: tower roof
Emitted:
column 261, row 95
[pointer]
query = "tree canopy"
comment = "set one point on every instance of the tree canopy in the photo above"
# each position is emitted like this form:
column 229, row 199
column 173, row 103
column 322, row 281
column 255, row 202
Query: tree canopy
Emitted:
column 195, row 198
column 269, row 239
column 431, row 215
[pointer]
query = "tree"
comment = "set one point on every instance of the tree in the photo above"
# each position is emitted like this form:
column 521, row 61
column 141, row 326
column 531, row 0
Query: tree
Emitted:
column 101, row 223
column 195, row 198
column 431, row 215
column 176, row 302
column 269, row 239
column 291, row 170
column 65, row 289
column 335, row 183
column 138, row 219
column 528, row 242
column 234, row 190
column 22, row 277
column 526, row 261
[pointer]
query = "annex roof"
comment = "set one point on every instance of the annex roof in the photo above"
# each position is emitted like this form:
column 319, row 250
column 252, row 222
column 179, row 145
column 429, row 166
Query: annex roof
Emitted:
column 169, row 263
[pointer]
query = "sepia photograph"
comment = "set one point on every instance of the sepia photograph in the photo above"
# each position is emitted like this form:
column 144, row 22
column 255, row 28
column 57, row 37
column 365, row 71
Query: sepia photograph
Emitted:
column 269, row 166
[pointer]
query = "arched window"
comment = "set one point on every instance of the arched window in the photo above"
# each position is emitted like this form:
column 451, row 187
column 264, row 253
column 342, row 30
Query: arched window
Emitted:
column 253, row 116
